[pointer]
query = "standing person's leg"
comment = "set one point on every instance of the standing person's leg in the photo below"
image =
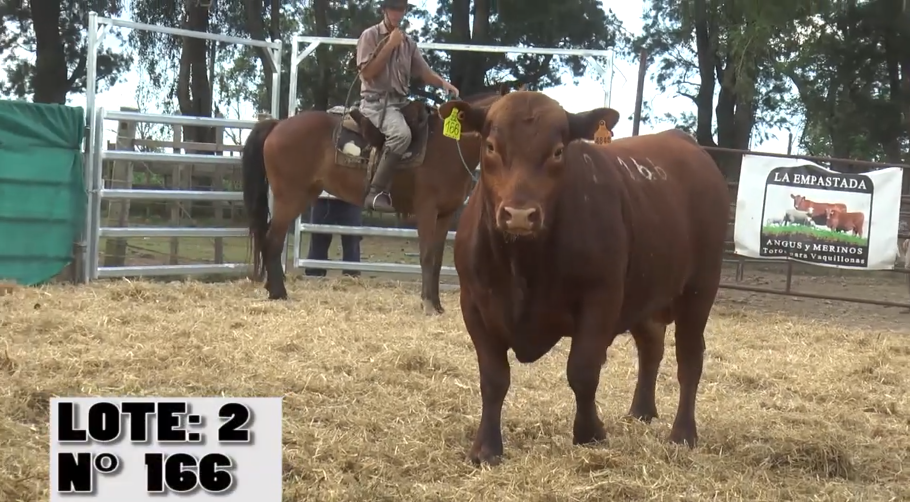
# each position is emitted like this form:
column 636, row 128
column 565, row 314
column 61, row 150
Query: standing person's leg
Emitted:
column 319, row 243
column 398, row 139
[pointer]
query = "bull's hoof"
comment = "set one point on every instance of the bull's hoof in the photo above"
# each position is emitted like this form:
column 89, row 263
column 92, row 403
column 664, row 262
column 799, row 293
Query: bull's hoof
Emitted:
column 485, row 456
column 642, row 414
column 589, row 434
column 684, row 436
column 281, row 294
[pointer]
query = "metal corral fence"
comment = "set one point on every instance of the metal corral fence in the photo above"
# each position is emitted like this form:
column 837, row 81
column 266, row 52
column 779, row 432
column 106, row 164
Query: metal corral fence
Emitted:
column 96, row 155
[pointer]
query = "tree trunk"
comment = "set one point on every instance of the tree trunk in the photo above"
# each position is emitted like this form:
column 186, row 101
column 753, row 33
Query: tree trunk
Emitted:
column 706, row 47
column 461, row 32
column 477, row 61
column 255, row 26
column 50, row 81
column 194, row 94
column 321, row 90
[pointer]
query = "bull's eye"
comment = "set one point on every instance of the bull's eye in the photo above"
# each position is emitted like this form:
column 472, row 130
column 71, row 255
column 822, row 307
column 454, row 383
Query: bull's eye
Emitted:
column 490, row 148
column 557, row 154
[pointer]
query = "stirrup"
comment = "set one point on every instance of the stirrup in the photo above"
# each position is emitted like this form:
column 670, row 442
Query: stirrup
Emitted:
column 387, row 194
column 373, row 200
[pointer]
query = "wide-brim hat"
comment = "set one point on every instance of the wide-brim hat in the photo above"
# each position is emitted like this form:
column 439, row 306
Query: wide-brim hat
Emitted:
column 395, row 4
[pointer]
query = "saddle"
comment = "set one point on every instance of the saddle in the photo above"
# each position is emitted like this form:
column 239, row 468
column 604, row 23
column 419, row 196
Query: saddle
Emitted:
column 358, row 141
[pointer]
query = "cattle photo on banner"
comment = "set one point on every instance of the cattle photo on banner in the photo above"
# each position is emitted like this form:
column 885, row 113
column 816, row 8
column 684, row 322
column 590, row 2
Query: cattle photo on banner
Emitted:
column 799, row 210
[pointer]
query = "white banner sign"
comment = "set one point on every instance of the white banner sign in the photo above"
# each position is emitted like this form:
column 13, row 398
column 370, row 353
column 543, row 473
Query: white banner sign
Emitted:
column 796, row 209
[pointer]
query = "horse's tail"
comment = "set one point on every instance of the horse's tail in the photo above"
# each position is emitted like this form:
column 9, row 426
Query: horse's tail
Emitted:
column 256, row 191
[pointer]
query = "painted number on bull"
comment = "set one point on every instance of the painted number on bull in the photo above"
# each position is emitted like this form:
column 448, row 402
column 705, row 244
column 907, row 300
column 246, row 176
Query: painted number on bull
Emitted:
column 643, row 170
column 659, row 170
column 451, row 126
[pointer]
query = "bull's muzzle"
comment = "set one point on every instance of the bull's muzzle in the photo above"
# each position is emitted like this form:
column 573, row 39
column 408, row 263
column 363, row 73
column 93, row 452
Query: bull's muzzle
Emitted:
column 524, row 220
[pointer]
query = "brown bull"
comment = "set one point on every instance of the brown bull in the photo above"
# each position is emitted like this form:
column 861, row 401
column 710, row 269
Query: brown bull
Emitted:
column 818, row 211
column 299, row 158
column 843, row 221
column 566, row 238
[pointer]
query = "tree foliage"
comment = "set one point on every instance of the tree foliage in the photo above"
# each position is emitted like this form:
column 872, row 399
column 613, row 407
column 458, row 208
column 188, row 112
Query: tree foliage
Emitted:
column 836, row 72
column 43, row 49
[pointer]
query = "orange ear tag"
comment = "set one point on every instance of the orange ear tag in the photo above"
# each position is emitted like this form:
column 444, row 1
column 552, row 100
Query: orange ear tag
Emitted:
column 603, row 135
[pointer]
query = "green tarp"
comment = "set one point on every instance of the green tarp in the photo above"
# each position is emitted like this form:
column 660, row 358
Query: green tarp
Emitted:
column 42, row 193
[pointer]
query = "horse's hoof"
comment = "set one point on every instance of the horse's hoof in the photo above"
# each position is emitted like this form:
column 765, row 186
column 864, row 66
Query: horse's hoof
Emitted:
column 278, row 296
column 431, row 308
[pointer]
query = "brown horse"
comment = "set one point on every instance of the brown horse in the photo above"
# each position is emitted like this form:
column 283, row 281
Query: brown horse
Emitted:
column 312, row 151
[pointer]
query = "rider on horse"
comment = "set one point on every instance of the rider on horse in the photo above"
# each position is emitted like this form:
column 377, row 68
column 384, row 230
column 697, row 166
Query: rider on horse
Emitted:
column 386, row 59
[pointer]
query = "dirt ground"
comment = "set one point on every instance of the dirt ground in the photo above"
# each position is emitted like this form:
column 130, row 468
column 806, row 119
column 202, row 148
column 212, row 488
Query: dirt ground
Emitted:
column 885, row 286
column 800, row 400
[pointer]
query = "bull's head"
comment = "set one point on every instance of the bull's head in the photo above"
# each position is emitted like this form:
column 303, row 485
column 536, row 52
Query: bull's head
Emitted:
column 523, row 159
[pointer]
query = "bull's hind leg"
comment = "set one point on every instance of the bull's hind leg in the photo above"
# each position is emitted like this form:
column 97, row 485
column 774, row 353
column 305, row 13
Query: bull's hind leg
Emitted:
column 649, row 342
column 692, row 311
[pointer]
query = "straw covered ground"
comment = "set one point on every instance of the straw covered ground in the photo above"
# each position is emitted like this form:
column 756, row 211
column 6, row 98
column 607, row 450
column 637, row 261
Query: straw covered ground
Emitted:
column 381, row 402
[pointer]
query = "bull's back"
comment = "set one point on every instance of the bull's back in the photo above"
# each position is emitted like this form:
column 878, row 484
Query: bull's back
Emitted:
column 676, row 216
column 686, row 187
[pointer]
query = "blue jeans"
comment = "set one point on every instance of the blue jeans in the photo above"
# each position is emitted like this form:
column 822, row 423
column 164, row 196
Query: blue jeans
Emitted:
column 334, row 212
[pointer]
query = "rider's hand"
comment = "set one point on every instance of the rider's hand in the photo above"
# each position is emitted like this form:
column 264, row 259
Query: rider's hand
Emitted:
column 451, row 89
column 396, row 37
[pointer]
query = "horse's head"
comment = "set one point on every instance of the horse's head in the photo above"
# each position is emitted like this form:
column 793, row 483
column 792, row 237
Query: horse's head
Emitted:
column 485, row 100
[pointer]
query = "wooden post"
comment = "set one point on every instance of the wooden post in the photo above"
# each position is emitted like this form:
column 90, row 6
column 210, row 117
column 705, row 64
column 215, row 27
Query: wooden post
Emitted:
column 236, row 184
column 118, row 211
column 218, row 175
column 175, row 206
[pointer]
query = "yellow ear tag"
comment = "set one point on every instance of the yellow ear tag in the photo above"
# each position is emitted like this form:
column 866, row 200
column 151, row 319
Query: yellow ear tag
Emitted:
column 451, row 126
column 603, row 135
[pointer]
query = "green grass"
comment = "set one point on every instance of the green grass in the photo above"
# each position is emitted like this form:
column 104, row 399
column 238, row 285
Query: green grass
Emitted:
column 815, row 233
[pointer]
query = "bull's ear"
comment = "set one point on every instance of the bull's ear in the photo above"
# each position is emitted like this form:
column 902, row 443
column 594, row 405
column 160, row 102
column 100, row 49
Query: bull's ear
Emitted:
column 471, row 117
column 503, row 89
column 583, row 125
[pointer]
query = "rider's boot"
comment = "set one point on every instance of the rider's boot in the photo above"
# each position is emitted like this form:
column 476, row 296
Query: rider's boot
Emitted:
column 379, row 199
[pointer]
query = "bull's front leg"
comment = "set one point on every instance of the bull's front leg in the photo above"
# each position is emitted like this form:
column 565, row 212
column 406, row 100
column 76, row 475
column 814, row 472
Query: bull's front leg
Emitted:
column 587, row 356
column 495, row 379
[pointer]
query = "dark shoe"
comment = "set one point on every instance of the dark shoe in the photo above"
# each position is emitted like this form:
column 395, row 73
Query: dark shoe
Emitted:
column 378, row 199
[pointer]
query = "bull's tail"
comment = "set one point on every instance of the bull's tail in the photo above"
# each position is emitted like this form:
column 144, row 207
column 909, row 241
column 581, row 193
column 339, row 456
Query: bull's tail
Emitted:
column 256, row 191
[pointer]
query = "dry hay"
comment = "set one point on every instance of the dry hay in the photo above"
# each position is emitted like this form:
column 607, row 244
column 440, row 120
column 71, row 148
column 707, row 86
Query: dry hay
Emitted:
column 381, row 403
column 7, row 287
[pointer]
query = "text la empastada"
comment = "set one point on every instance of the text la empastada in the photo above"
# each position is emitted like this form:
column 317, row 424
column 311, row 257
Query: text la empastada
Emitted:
column 822, row 181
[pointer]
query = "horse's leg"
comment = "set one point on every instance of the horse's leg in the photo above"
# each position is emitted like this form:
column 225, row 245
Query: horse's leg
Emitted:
column 426, row 233
column 439, row 247
column 276, row 239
